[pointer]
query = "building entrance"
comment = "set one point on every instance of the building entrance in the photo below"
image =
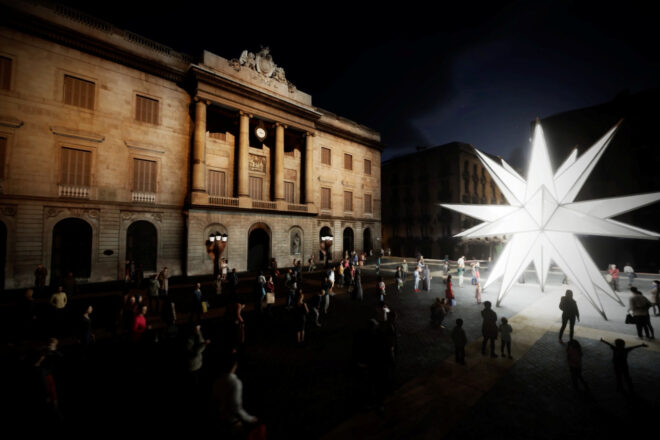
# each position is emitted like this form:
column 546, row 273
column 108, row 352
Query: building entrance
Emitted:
column 258, row 249
column 142, row 245
column 72, row 250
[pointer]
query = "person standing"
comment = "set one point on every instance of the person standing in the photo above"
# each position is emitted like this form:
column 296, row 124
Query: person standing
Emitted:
column 570, row 312
column 639, row 305
column 404, row 268
column 163, row 279
column 316, row 302
column 460, row 341
column 139, row 325
column 630, row 272
column 488, row 329
column 154, row 292
column 40, row 274
column 461, row 270
column 574, row 358
column 86, row 336
column 228, row 397
column 300, row 316
column 655, row 297
column 449, row 293
column 445, row 265
column 196, row 304
column 259, row 292
column 69, row 284
column 505, row 336
column 195, row 346
column 416, row 277
column 614, row 277
column 477, row 293
column 358, row 285
column 398, row 279
column 427, row 278
column 233, row 282
column 59, row 301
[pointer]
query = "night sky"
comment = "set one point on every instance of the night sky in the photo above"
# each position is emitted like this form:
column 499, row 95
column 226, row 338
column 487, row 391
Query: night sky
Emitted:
column 472, row 73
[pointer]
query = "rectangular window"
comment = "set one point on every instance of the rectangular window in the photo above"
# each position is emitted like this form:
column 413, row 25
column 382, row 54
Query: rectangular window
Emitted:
column 76, row 167
column 348, row 162
column 146, row 109
column 288, row 192
column 144, row 175
column 325, row 156
column 256, row 188
column 367, row 204
column 348, row 201
column 325, row 198
column 217, row 183
column 3, row 156
column 5, row 73
column 367, row 167
column 78, row 92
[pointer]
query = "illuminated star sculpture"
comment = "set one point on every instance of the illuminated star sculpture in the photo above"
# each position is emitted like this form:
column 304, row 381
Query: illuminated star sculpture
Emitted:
column 542, row 220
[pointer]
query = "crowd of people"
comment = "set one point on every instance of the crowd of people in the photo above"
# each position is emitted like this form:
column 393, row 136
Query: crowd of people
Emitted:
column 305, row 304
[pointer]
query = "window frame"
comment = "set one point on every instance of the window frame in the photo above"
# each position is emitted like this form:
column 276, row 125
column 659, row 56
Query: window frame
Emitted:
column 329, row 162
column 329, row 190
column 83, row 78
column 147, row 96
column 349, row 157
column 350, row 199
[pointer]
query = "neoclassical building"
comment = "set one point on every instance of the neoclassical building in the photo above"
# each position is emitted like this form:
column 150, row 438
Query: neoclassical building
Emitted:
column 114, row 147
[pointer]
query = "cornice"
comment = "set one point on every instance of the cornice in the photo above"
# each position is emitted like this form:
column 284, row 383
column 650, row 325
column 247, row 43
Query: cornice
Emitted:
column 331, row 129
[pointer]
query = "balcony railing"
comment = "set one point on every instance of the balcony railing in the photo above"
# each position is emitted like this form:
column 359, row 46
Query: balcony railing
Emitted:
column 75, row 192
column 297, row 207
column 223, row 201
column 144, row 197
column 260, row 204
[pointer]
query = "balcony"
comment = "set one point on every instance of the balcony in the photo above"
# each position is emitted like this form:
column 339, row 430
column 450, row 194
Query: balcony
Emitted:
column 223, row 201
column 74, row 192
column 297, row 207
column 143, row 197
column 260, row 204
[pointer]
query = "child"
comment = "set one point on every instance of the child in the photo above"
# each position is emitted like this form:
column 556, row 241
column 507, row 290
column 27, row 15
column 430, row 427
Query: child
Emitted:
column 505, row 332
column 574, row 358
column 620, row 361
column 460, row 340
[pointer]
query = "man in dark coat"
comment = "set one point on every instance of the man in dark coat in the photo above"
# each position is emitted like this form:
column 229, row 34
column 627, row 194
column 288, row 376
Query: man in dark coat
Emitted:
column 488, row 328
column 570, row 311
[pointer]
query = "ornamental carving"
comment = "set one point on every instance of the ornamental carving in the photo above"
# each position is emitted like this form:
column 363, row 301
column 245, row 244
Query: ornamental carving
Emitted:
column 8, row 211
column 53, row 212
column 257, row 163
column 75, row 212
column 296, row 242
column 262, row 63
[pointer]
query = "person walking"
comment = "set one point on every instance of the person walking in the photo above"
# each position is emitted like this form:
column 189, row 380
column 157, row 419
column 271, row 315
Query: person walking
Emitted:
column 195, row 346
column 630, row 272
column 59, row 301
column 570, row 312
column 488, row 329
column 398, row 279
column 505, row 336
column 439, row 310
column 164, row 280
column 460, row 341
column 358, row 286
column 639, row 305
column 620, row 362
column 85, row 335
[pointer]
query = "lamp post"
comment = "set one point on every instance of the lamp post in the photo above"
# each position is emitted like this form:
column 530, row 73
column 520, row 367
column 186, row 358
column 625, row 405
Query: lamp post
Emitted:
column 326, row 244
column 215, row 246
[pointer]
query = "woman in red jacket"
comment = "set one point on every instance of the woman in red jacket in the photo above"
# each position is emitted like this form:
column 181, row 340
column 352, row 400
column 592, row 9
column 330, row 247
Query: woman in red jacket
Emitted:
column 449, row 293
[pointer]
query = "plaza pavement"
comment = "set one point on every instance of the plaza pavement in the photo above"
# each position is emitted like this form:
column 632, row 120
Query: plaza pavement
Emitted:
column 530, row 396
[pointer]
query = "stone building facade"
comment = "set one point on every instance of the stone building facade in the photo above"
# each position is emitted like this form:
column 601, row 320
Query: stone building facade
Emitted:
column 115, row 147
column 415, row 184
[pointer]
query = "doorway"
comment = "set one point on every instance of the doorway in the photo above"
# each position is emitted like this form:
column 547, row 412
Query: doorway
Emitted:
column 72, row 250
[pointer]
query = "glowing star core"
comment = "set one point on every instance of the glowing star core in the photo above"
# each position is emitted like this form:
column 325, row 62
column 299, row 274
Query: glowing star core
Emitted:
column 542, row 219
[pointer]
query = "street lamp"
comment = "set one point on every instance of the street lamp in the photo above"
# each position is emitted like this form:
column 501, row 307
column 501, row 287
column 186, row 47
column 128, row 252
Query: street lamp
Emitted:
column 215, row 246
column 326, row 244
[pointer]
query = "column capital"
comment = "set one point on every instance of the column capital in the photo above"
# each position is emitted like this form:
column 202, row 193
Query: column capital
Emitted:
column 202, row 100
column 242, row 113
column 309, row 133
column 280, row 124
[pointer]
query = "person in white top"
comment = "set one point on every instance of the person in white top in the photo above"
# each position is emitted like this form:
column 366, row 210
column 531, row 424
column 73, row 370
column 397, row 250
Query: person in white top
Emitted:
column 461, row 270
column 228, row 395
column 628, row 270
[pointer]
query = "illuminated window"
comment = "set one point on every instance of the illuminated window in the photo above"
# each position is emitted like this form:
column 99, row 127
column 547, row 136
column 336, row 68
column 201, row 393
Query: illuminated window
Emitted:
column 146, row 109
column 325, row 156
column 79, row 92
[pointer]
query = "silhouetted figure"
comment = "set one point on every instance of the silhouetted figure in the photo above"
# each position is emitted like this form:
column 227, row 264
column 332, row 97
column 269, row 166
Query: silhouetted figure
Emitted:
column 439, row 310
column 460, row 341
column 655, row 297
column 570, row 312
column 488, row 328
column 505, row 336
column 639, row 305
column 300, row 312
column 85, row 335
column 40, row 274
column 620, row 361
column 69, row 284
column 574, row 358
column 228, row 399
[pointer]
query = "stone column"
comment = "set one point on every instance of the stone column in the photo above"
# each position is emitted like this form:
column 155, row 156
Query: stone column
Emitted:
column 278, row 177
column 243, row 144
column 199, row 147
column 309, row 167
